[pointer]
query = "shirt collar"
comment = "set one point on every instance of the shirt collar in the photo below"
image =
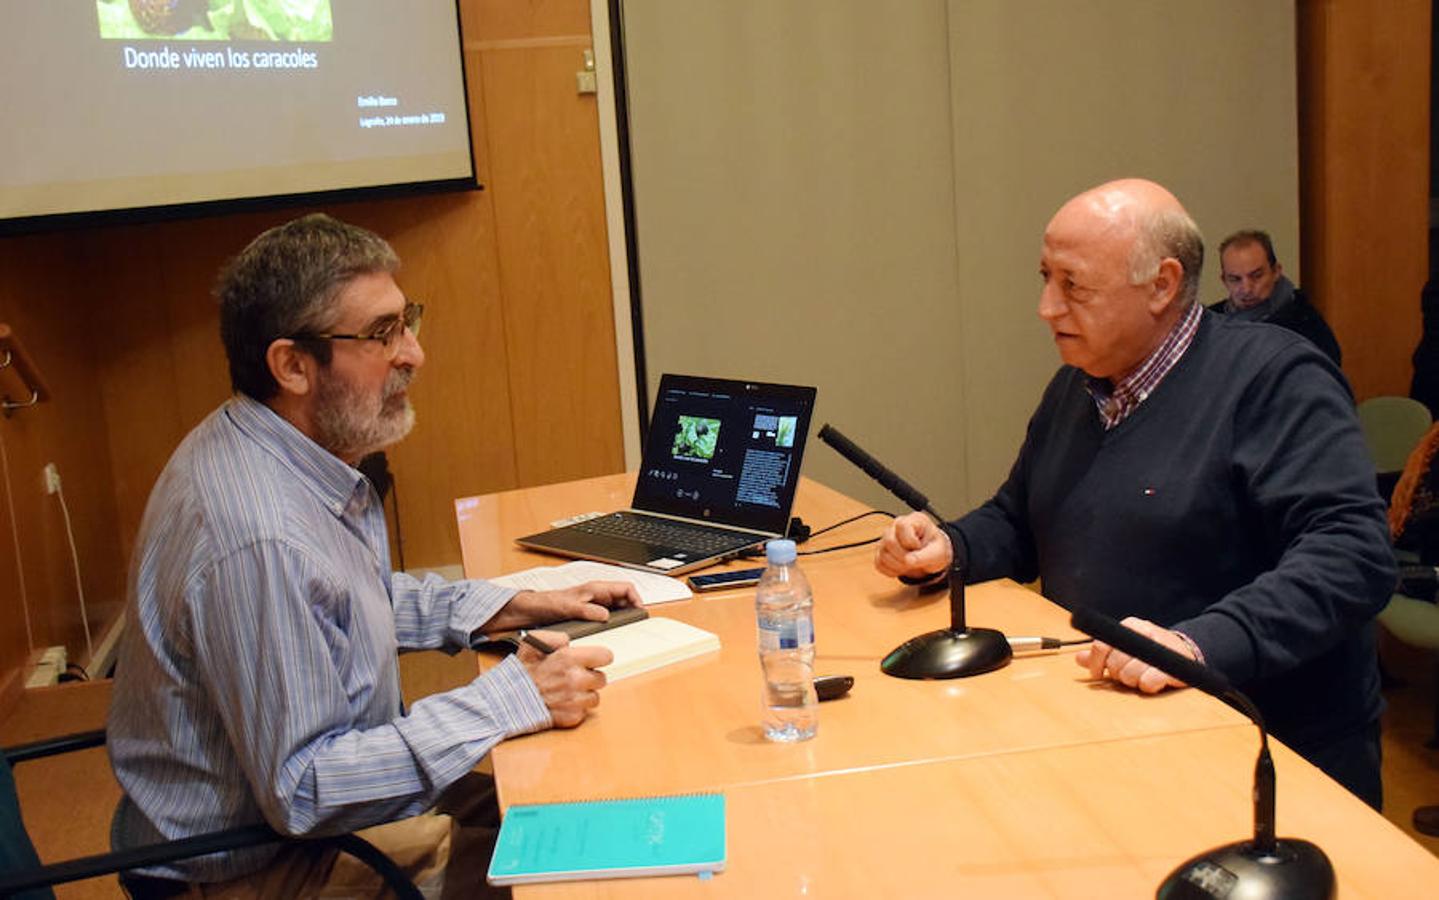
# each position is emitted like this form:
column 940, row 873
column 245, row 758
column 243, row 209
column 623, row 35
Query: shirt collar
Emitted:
column 1115, row 401
column 339, row 486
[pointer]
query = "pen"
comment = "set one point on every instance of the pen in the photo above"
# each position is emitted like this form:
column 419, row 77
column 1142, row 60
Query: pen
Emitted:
column 536, row 643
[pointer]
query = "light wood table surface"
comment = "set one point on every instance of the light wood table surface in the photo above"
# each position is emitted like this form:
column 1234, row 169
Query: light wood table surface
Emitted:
column 970, row 764
column 1103, row 819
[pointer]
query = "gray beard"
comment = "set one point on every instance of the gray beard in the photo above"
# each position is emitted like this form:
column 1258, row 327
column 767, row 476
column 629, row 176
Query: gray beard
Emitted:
column 351, row 425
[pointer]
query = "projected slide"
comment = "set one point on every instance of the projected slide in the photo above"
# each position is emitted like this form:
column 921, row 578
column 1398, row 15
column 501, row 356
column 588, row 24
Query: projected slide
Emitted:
column 216, row 20
column 117, row 104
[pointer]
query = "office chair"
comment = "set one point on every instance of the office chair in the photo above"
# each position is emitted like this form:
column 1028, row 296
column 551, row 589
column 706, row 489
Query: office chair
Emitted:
column 1392, row 426
column 23, row 876
column 1412, row 615
column 1416, row 623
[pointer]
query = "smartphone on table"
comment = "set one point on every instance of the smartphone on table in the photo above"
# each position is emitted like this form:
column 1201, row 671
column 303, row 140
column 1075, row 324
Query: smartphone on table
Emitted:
column 720, row 581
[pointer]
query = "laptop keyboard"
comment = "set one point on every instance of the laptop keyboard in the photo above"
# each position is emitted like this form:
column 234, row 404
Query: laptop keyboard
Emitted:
column 663, row 532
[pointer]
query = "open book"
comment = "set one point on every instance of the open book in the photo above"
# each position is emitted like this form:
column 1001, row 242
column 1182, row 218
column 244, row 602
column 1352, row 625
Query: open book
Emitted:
column 649, row 644
column 652, row 588
column 640, row 643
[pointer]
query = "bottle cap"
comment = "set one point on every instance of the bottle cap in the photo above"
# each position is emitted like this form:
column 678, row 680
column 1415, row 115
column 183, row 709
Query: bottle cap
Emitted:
column 780, row 552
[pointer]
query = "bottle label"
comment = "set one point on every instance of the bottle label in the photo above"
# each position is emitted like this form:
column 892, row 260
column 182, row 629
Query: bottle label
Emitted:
column 785, row 634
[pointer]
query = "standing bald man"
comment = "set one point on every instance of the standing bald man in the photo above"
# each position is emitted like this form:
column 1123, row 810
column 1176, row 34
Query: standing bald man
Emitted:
column 1202, row 479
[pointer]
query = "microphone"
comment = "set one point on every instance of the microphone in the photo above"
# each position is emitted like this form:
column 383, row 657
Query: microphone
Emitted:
column 953, row 652
column 890, row 482
column 876, row 470
column 1266, row 866
column 1098, row 625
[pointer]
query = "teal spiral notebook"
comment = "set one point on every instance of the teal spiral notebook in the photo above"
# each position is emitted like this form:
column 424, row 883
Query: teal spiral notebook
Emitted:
column 672, row 835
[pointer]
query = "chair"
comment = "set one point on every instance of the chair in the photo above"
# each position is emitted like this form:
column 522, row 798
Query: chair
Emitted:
column 23, row 876
column 1416, row 623
column 1392, row 426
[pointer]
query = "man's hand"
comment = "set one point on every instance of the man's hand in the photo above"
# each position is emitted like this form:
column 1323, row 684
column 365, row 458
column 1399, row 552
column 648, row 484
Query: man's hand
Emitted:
column 913, row 546
column 588, row 601
column 1103, row 661
column 567, row 679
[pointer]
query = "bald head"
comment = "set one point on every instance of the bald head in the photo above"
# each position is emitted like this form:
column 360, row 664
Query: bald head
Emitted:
column 1121, row 264
column 1126, row 199
column 1151, row 220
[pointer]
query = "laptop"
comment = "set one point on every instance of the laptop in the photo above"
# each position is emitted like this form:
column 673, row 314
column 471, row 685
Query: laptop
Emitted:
column 718, row 476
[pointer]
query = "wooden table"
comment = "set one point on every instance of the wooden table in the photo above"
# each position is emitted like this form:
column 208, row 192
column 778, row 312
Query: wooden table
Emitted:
column 1027, row 781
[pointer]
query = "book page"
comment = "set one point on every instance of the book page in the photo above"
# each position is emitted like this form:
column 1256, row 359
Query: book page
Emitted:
column 652, row 588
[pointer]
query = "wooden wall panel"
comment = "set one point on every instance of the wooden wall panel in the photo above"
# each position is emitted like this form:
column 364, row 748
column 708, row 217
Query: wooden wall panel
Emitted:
column 41, row 297
column 1364, row 170
column 161, row 367
column 524, row 20
column 554, row 263
column 14, row 650
column 27, row 437
column 463, row 441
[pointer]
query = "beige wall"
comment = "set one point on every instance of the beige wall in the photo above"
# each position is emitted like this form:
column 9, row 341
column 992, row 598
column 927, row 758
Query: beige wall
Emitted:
column 795, row 211
column 1051, row 97
column 851, row 194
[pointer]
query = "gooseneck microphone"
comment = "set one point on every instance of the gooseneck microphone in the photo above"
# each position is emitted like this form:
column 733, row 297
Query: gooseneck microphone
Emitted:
column 952, row 652
column 1266, row 866
column 876, row 470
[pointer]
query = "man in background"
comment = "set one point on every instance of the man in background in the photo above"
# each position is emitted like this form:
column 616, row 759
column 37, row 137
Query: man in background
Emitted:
column 258, row 680
column 1201, row 478
column 1259, row 291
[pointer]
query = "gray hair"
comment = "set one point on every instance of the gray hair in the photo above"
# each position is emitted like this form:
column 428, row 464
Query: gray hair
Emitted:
column 1165, row 234
column 284, row 284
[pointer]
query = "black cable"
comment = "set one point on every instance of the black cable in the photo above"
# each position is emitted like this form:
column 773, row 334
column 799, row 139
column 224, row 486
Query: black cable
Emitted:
column 836, row 547
column 872, row 512
column 759, row 553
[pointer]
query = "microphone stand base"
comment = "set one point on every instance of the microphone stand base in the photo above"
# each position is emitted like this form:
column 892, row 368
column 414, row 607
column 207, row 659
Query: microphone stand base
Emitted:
column 1294, row 869
column 949, row 653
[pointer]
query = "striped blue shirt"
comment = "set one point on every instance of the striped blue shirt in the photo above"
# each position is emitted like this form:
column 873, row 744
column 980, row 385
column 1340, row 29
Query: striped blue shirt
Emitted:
column 257, row 676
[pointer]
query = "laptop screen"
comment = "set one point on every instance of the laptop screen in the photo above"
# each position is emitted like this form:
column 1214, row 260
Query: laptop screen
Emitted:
column 725, row 451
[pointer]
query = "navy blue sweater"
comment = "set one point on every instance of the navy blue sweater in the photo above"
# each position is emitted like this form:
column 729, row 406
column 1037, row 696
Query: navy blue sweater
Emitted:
column 1236, row 504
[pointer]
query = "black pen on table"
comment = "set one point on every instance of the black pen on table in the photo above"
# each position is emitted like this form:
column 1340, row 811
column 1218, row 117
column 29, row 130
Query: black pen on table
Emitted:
column 536, row 643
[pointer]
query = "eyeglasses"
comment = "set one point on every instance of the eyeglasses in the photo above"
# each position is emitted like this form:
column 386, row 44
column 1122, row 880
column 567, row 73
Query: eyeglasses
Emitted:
column 387, row 333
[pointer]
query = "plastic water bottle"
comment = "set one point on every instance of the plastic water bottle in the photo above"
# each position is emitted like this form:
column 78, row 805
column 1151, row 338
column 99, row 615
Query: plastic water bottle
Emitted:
column 784, row 609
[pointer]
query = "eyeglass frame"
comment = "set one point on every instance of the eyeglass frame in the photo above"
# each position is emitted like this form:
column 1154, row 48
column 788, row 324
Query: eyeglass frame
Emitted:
column 388, row 335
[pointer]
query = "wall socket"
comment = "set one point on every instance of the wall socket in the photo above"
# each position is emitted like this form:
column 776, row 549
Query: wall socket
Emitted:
column 52, row 478
column 47, row 668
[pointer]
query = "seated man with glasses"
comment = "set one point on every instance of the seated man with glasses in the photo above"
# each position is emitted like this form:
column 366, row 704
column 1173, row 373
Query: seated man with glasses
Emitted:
column 258, row 678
